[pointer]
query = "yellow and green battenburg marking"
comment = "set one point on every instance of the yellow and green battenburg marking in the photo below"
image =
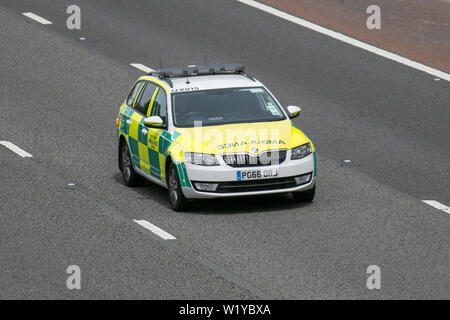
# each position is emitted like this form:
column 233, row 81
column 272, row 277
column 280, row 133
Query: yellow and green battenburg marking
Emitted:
column 149, row 152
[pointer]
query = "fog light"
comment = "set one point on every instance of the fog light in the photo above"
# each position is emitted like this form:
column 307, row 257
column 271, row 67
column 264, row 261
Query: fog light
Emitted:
column 205, row 186
column 303, row 179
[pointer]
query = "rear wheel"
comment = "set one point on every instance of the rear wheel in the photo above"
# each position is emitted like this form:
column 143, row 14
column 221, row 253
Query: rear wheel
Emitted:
column 130, row 177
column 304, row 196
column 176, row 196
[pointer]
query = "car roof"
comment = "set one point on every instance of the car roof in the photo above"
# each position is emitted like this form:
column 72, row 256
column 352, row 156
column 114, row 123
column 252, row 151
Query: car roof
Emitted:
column 207, row 82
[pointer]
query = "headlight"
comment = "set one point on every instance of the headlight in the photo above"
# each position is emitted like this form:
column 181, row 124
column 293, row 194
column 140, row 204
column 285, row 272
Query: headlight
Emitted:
column 301, row 152
column 202, row 159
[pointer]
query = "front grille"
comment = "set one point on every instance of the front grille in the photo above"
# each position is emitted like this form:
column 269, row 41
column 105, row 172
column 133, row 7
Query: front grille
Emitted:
column 256, row 185
column 266, row 158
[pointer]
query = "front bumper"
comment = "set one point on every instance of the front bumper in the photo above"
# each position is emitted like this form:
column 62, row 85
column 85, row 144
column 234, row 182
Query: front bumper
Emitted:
column 224, row 174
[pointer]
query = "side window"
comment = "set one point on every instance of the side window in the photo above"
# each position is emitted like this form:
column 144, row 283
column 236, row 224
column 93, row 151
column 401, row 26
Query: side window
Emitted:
column 160, row 105
column 144, row 98
column 134, row 92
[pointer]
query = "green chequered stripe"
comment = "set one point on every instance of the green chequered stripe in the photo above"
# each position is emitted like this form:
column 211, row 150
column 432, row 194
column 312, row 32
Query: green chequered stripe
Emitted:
column 133, row 147
column 181, row 168
column 128, row 112
column 176, row 135
column 126, row 115
column 155, row 175
column 315, row 164
column 184, row 181
column 141, row 137
column 156, row 149
column 157, row 153
column 164, row 142
column 153, row 157
column 123, row 126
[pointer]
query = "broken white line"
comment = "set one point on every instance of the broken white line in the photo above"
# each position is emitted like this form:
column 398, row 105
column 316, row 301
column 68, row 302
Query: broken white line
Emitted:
column 437, row 205
column 141, row 67
column 158, row 231
column 37, row 18
column 15, row 149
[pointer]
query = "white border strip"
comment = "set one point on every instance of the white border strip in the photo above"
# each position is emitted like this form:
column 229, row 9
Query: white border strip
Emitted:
column 437, row 205
column 159, row 232
column 37, row 18
column 347, row 39
column 141, row 67
column 15, row 149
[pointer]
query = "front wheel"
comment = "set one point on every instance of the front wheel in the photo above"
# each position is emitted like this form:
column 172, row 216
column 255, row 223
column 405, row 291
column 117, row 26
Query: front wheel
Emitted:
column 176, row 196
column 304, row 196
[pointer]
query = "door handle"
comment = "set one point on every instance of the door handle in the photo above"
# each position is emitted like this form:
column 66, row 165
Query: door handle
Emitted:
column 128, row 122
column 144, row 132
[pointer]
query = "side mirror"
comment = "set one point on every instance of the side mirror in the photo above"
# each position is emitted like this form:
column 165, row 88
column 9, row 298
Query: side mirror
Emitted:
column 154, row 122
column 294, row 111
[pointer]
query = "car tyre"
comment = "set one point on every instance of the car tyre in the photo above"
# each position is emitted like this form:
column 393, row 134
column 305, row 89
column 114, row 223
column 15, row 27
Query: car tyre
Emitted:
column 304, row 196
column 176, row 196
column 130, row 177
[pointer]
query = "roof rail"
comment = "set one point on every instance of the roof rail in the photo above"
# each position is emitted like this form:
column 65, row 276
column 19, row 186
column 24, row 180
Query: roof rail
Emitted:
column 191, row 71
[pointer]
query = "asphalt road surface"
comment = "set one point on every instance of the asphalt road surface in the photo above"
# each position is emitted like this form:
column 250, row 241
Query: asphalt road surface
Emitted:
column 60, row 97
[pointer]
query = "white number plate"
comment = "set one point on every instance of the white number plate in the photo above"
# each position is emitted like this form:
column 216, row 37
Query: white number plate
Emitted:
column 256, row 174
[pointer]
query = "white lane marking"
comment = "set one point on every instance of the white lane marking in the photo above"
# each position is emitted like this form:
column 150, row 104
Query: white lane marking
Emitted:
column 347, row 39
column 437, row 205
column 158, row 231
column 141, row 67
column 37, row 18
column 15, row 149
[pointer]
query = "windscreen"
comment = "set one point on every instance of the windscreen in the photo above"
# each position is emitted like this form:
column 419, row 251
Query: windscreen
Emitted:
column 224, row 106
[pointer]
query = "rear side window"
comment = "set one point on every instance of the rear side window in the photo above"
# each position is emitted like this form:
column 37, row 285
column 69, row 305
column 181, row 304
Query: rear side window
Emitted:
column 144, row 98
column 134, row 92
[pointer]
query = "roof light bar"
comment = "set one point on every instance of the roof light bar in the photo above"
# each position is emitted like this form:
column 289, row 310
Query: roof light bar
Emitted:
column 190, row 71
